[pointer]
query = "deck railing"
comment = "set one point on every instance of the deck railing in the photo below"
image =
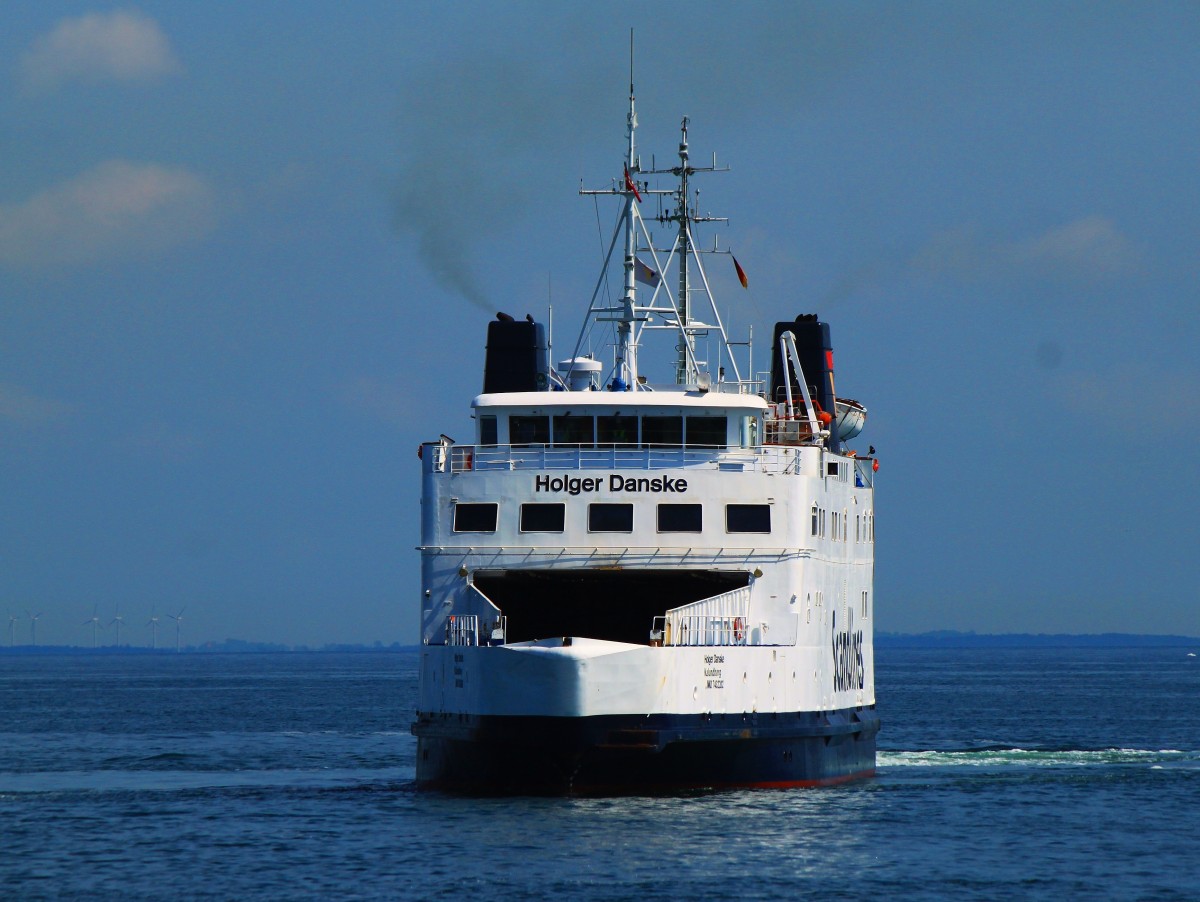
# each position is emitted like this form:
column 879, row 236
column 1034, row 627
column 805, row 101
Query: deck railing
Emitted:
column 462, row 629
column 761, row 458
column 787, row 432
column 465, row 458
column 699, row 629
column 465, row 629
column 549, row 457
column 719, row 620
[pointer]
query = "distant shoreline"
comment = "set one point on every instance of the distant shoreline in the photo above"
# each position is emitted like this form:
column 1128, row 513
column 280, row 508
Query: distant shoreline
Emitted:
column 954, row 639
column 936, row 639
column 228, row 647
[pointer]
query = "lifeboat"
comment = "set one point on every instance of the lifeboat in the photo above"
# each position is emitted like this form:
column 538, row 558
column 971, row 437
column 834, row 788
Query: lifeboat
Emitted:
column 851, row 417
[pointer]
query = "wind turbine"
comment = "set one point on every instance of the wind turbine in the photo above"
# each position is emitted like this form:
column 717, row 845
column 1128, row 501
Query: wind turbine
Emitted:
column 33, row 619
column 119, row 621
column 12, row 630
column 178, row 618
column 95, row 622
column 153, row 624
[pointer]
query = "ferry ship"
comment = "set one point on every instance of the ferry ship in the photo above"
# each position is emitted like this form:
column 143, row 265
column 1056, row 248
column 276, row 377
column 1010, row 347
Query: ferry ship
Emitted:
column 630, row 587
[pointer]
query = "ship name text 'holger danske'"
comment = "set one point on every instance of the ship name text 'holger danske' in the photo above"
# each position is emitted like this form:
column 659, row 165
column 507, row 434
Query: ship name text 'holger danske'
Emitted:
column 574, row 485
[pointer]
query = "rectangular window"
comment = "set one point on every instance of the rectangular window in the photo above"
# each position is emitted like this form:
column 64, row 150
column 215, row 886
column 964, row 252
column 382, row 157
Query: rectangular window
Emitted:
column 610, row 518
column 680, row 517
column 816, row 515
column 865, row 608
column 543, row 517
column 617, row 431
column 529, row 430
column 475, row 517
column 747, row 518
column 662, row 431
column 706, row 432
column 574, row 431
column 831, row 468
column 487, row 430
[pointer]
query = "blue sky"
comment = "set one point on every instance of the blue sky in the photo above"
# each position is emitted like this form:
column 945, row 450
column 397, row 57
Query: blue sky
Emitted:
column 248, row 252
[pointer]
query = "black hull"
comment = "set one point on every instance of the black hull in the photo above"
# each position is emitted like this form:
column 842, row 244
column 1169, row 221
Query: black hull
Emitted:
column 632, row 754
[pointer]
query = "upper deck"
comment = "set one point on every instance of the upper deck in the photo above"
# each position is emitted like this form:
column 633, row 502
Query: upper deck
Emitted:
column 453, row 458
column 659, row 430
column 620, row 420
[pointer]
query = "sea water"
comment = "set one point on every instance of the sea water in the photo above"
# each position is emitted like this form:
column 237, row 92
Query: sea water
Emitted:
column 1003, row 773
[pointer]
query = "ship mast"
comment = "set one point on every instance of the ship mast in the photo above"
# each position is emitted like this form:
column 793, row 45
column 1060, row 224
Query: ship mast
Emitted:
column 663, row 312
column 687, row 366
column 626, row 362
column 684, row 370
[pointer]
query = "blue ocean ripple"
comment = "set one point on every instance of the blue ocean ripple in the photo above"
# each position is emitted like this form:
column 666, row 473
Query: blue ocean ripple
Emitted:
column 1031, row 774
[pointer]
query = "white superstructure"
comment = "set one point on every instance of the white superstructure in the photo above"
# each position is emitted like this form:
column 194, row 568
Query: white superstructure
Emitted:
column 632, row 586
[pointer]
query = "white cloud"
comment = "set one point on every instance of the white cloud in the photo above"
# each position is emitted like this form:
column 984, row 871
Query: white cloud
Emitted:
column 19, row 406
column 116, row 210
column 116, row 46
column 1089, row 248
column 1175, row 412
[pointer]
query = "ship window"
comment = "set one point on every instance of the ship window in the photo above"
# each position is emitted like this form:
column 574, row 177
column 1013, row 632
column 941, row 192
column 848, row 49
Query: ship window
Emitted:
column 617, row 431
column 610, row 518
column 680, row 517
column 749, row 431
column 529, row 430
column 487, row 430
column 865, row 608
column 747, row 518
column 543, row 517
column 831, row 468
column 475, row 517
column 706, row 432
column 816, row 516
column 662, row 430
column 574, row 430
